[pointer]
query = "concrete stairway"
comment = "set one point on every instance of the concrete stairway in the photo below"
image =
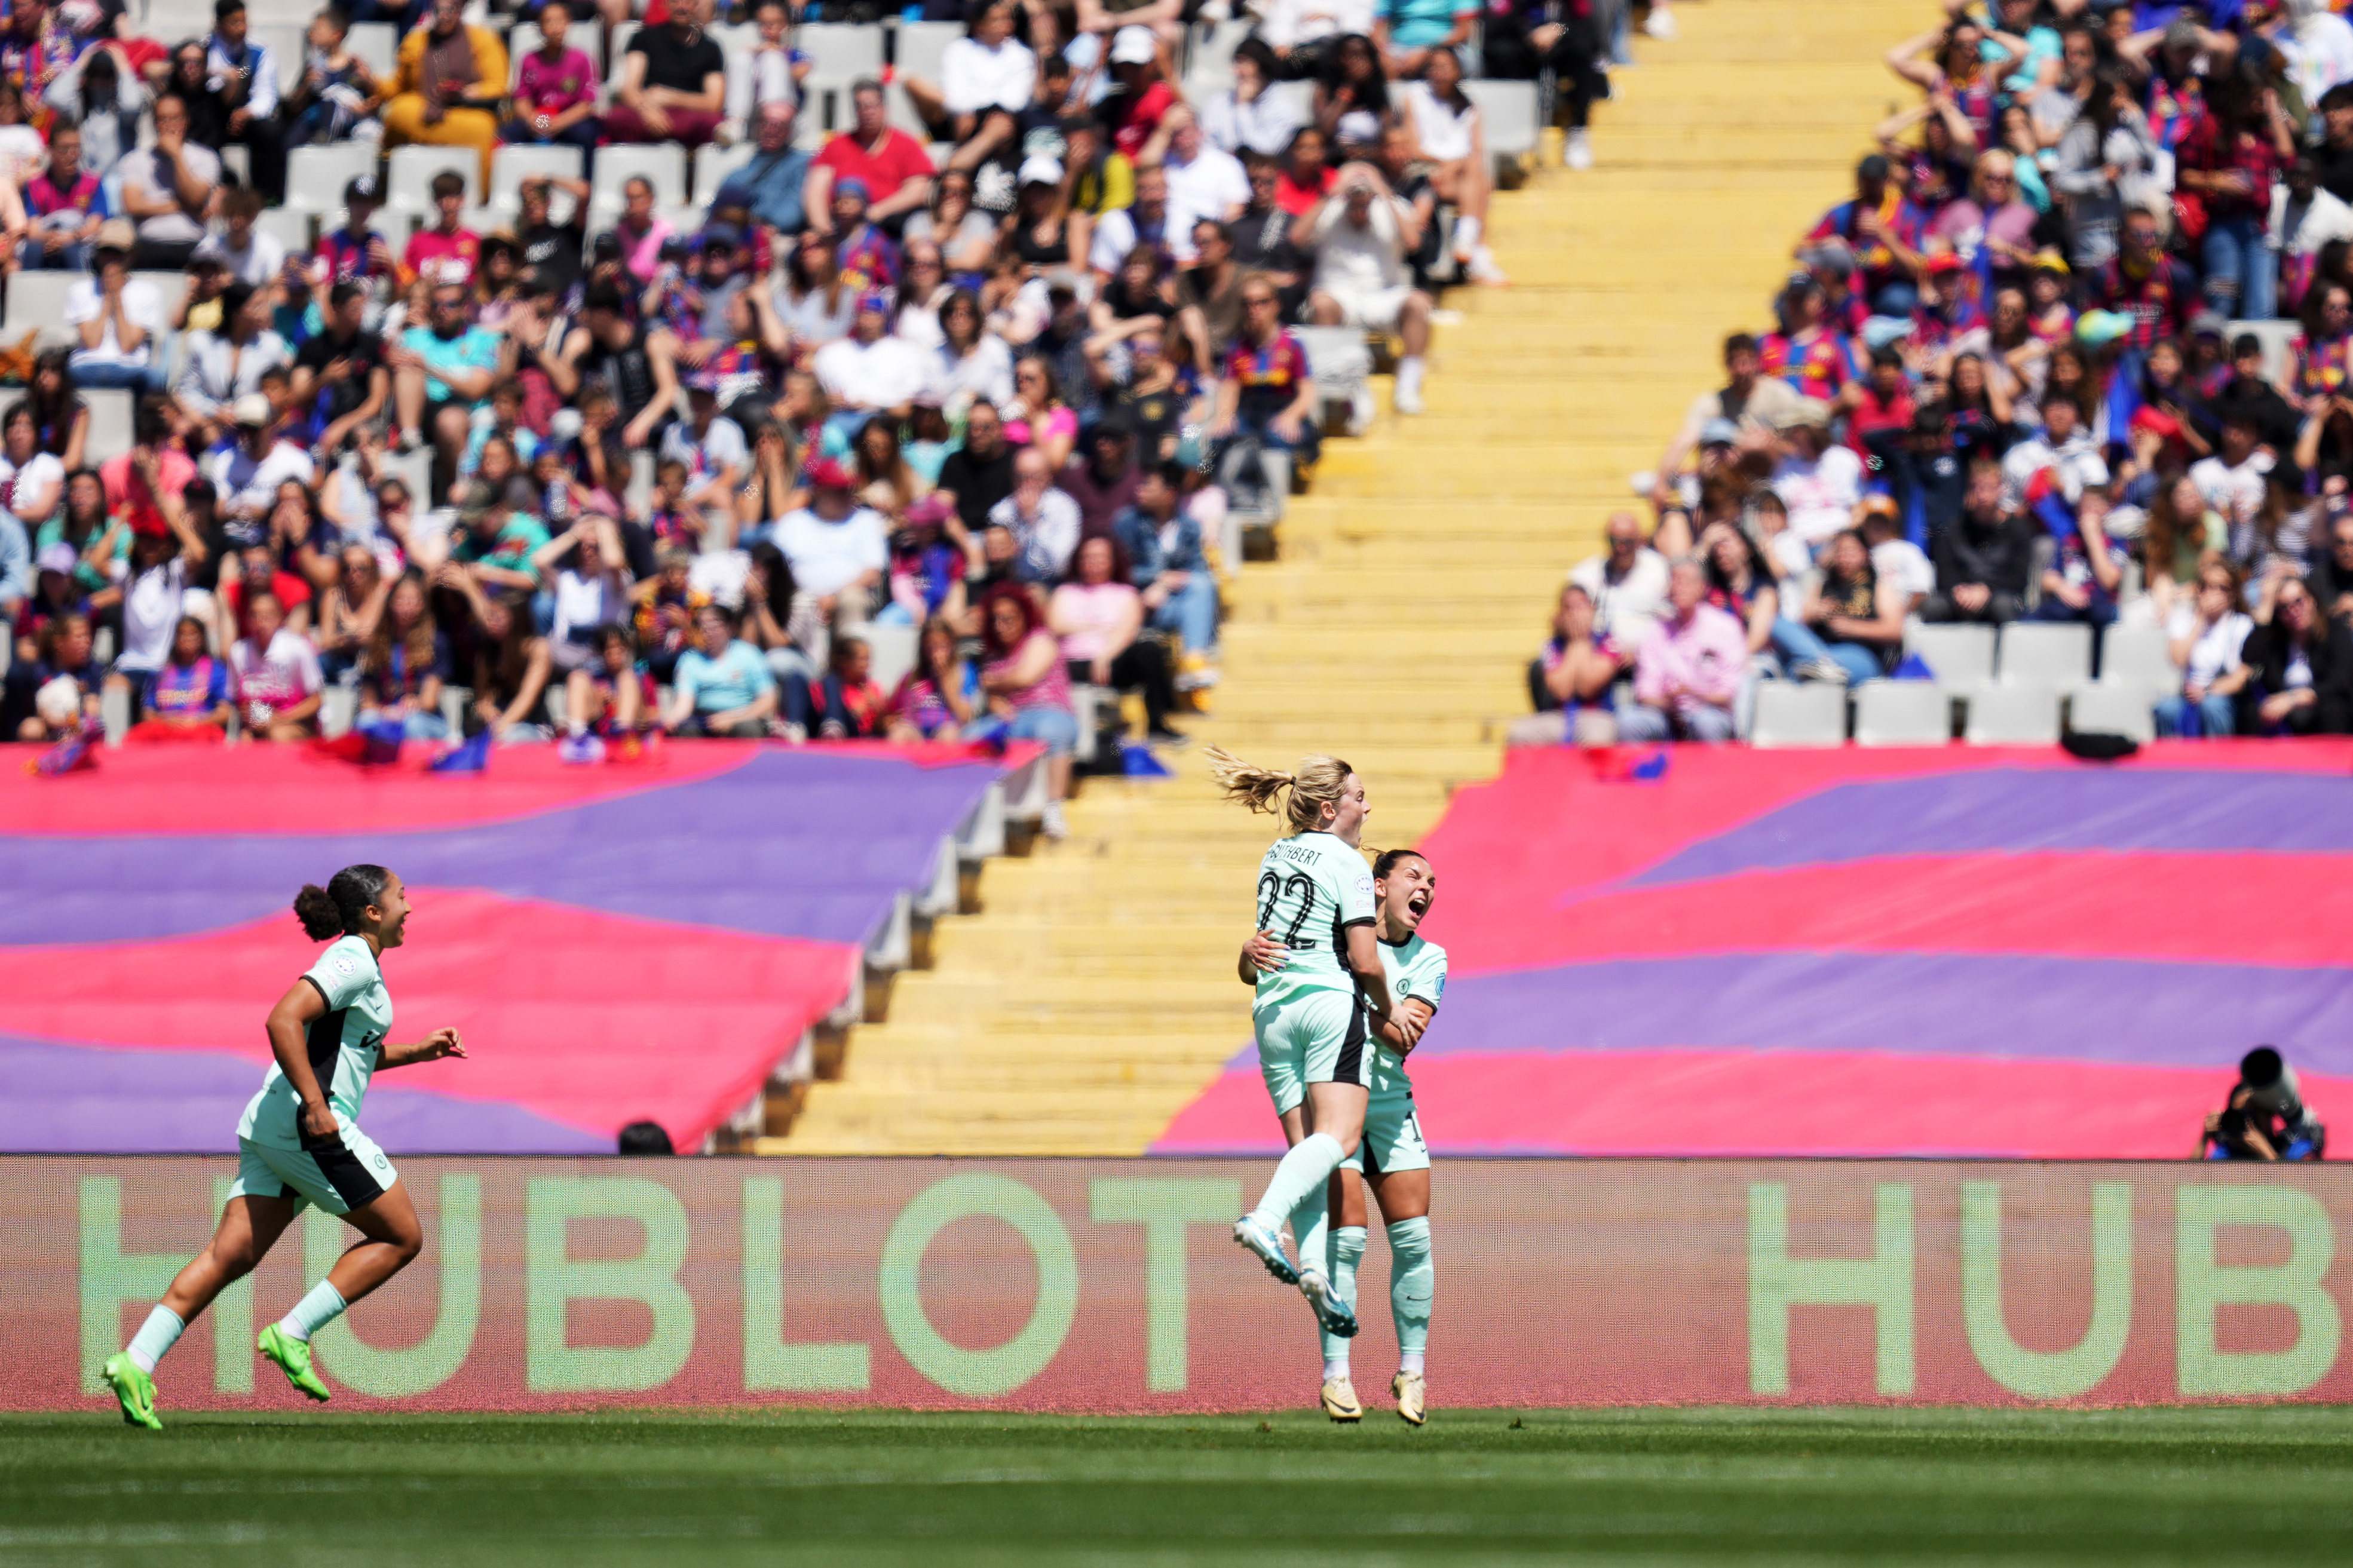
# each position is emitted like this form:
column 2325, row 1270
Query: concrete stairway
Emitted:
column 1094, row 995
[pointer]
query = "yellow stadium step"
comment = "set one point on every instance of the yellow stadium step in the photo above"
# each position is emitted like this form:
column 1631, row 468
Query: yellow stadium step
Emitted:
column 1093, row 996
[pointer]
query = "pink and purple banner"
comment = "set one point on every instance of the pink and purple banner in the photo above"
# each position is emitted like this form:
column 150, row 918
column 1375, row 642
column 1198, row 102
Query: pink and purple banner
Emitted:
column 1955, row 952
column 615, row 944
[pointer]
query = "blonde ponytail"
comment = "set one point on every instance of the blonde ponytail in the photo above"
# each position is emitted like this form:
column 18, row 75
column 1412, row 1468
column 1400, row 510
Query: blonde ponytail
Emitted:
column 1318, row 781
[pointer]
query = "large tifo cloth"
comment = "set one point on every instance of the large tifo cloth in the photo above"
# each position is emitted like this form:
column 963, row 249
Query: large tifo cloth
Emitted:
column 1855, row 953
column 613, row 944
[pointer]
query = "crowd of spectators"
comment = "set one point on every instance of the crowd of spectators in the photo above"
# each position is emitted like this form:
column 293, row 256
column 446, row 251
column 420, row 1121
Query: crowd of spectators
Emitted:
column 995, row 380
column 2021, row 373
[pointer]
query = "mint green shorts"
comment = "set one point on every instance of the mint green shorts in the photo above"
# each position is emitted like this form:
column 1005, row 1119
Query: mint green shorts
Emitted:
column 340, row 1175
column 1321, row 1038
column 1392, row 1129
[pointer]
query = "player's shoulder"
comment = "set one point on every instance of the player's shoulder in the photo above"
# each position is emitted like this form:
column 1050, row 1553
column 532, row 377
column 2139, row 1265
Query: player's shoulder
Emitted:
column 348, row 961
column 1429, row 953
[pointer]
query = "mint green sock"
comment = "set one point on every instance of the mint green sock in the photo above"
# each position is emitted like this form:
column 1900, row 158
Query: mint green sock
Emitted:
column 1305, row 1170
column 1345, row 1250
column 1411, row 1282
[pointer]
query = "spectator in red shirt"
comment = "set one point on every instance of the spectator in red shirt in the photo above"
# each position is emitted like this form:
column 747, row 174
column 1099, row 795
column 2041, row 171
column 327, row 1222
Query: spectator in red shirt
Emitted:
column 2231, row 160
column 445, row 253
column 1144, row 95
column 896, row 170
column 1879, row 401
column 153, row 466
column 2142, row 282
column 1304, row 178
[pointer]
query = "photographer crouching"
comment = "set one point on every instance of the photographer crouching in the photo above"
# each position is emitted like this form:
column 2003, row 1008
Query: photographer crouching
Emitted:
column 2265, row 1118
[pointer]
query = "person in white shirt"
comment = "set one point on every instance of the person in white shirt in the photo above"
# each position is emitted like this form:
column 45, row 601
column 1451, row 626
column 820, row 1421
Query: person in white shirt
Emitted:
column 246, row 472
column 154, row 596
column 1360, row 235
column 218, row 368
column 246, row 254
column 589, row 569
column 1448, row 133
column 1251, row 116
column 2305, row 214
column 2064, row 448
column 2318, row 47
column 716, row 456
column 1043, row 521
column 764, row 72
column 2208, row 637
column 870, row 371
column 2232, row 481
column 31, row 481
column 1628, row 585
column 987, row 78
column 1895, row 559
column 1817, row 481
column 244, row 74
column 1204, row 181
column 838, row 550
column 277, row 670
column 116, row 316
column 1298, row 30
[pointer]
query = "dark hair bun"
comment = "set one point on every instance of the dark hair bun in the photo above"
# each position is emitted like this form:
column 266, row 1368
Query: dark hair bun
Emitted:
column 317, row 912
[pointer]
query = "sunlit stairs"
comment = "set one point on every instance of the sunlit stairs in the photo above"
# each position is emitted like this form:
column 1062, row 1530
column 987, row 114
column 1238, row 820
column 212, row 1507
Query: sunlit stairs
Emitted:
column 1093, row 996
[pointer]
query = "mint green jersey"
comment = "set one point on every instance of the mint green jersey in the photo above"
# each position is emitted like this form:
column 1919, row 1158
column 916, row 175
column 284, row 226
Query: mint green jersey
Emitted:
column 343, row 1044
column 1310, row 888
column 1415, row 968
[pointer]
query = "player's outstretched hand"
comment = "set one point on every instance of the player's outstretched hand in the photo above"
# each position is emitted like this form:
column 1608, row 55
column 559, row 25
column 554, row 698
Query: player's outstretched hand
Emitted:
column 434, row 1046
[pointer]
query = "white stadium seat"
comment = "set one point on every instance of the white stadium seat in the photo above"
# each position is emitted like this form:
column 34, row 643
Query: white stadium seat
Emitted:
column 510, row 165
column 2014, row 716
column 1901, row 713
column 315, row 176
column 664, row 164
column 413, row 170
column 2113, row 710
column 1798, row 713
column 2056, row 654
column 1507, row 112
column 1961, row 655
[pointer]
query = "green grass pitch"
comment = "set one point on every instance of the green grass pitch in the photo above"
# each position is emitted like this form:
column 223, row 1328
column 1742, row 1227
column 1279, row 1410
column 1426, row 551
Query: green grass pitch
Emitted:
column 1650, row 1487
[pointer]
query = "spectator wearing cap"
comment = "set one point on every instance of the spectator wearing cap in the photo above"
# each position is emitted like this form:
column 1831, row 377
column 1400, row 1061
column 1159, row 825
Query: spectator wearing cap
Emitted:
column 716, row 456
column 1169, row 564
column 555, row 91
column 722, row 686
column 1142, row 95
column 987, row 78
column 1687, row 671
column 64, row 205
column 172, row 190
column 889, row 165
column 448, row 85
column 1984, row 558
column 869, row 255
column 1360, row 237
column 116, row 318
column 1144, row 222
column 1885, row 232
column 247, row 472
column 696, row 304
column 216, row 368
column 771, row 184
column 1202, row 179
column 838, row 547
column 673, row 84
column 869, row 372
column 354, row 253
column 1041, row 521
column 1818, row 480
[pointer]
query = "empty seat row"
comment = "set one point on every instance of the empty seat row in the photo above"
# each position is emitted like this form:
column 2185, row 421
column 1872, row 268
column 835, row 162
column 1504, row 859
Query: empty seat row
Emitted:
column 1920, row 713
column 2054, row 654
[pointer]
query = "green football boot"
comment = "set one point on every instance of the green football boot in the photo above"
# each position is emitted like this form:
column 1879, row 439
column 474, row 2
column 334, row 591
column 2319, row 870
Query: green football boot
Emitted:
column 134, row 1389
column 293, row 1358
